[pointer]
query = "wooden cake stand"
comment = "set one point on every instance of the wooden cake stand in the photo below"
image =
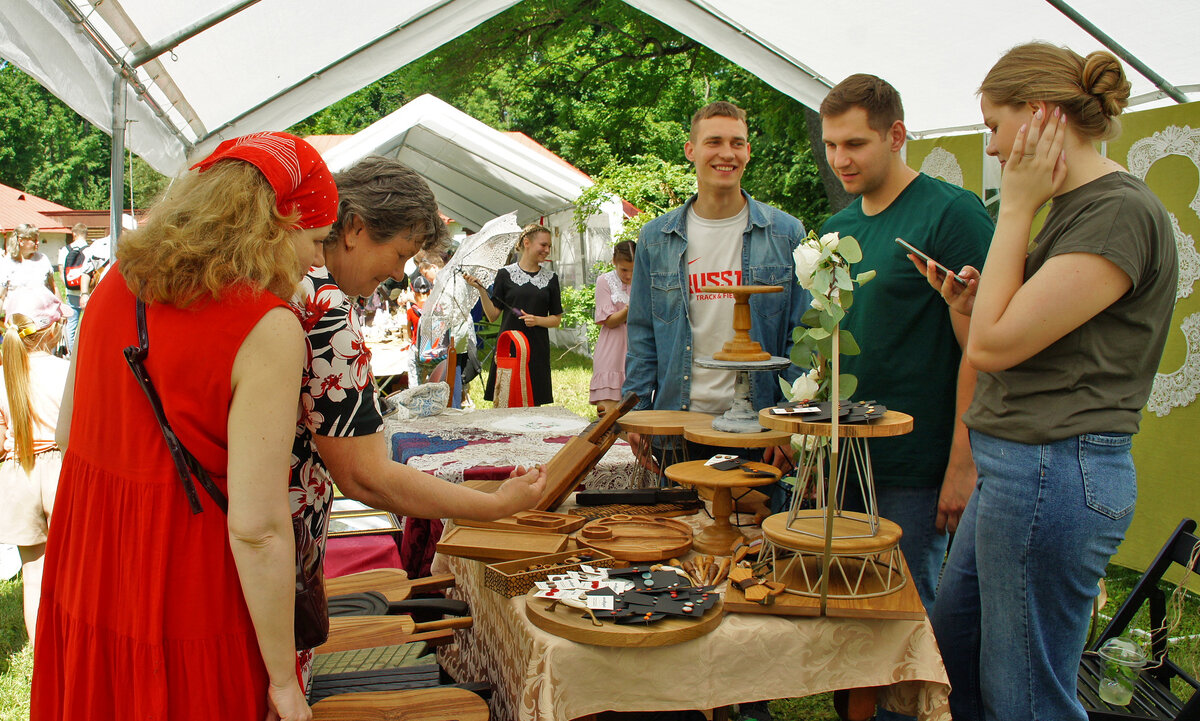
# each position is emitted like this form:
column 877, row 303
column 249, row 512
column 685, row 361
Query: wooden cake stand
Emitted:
column 663, row 429
column 741, row 348
column 718, row 539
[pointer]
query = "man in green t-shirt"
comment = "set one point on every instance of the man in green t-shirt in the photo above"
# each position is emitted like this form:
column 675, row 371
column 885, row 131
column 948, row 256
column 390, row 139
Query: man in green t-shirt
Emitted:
column 911, row 358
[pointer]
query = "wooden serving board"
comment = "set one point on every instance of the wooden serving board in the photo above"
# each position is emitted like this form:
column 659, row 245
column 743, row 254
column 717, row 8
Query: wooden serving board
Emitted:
column 530, row 521
column 492, row 544
column 567, row 468
column 574, row 625
column 637, row 538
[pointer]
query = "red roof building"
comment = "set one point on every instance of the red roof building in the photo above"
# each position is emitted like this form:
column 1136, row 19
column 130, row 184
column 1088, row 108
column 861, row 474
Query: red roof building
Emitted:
column 17, row 206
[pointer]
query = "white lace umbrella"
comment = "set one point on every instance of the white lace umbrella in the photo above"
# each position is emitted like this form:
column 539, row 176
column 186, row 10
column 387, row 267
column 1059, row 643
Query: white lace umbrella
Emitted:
column 449, row 305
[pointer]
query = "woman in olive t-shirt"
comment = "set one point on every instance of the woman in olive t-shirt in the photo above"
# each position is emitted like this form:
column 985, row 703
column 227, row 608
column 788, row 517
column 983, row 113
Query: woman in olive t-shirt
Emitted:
column 1067, row 339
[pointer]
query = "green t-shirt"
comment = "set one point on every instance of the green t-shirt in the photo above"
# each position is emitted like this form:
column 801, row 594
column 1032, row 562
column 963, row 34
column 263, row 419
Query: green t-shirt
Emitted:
column 1096, row 378
column 909, row 360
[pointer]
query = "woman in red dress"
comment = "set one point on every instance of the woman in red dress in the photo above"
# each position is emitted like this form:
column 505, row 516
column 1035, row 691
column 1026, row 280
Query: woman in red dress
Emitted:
column 150, row 610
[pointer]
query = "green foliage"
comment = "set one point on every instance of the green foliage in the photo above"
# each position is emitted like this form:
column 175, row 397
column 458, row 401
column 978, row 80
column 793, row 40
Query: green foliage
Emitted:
column 651, row 184
column 579, row 311
column 48, row 150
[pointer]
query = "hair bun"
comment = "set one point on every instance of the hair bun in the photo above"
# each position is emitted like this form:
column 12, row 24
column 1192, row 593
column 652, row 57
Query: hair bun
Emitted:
column 1104, row 79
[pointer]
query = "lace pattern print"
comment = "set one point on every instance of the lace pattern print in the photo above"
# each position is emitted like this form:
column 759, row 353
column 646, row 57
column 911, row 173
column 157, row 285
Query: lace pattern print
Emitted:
column 1180, row 387
column 618, row 290
column 941, row 163
column 519, row 277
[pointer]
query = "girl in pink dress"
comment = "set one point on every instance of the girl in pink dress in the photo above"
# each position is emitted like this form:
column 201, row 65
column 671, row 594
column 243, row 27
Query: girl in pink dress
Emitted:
column 612, row 308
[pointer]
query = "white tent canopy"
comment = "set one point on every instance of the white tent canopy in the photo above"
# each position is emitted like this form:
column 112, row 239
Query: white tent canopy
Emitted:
column 476, row 172
column 206, row 70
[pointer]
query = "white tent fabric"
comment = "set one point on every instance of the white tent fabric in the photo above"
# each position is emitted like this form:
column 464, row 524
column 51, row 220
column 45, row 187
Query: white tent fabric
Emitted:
column 277, row 61
column 476, row 172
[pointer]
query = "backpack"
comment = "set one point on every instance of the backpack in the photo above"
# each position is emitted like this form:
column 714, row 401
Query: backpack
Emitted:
column 73, row 268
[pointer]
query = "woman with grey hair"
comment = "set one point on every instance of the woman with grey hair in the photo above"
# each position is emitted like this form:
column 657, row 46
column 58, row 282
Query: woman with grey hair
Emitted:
column 386, row 215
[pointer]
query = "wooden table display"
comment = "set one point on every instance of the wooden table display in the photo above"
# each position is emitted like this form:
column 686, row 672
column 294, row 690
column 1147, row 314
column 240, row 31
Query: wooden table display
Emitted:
column 663, row 429
column 574, row 625
column 826, row 552
column 490, row 544
column 638, row 539
column 720, row 537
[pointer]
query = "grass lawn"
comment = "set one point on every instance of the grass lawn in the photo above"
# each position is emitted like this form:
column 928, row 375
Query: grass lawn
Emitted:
column 571, row 374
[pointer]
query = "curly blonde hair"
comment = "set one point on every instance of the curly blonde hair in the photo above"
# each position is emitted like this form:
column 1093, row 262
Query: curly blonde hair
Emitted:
column 1092, row 91
column 210, row 231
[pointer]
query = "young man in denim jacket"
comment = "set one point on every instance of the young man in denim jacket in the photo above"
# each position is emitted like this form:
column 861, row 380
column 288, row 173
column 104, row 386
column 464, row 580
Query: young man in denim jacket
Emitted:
column 720, row 236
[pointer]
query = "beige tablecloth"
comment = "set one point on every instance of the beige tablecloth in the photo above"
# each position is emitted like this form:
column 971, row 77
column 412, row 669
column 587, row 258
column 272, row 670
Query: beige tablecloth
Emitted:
column 538, row 676
column 508, row 437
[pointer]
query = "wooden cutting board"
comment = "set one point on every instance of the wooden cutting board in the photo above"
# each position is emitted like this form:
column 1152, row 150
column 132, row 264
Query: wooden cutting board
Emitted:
column 492, row 544
column 567, row 468
column 530, row 521
column 637, row 538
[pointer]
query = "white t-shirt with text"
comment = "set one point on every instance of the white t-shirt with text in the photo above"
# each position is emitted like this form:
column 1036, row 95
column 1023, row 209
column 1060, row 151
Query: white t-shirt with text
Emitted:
column 714, row 257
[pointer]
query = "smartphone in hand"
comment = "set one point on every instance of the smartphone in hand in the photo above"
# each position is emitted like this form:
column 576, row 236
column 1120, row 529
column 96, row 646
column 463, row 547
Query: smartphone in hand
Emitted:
column 941, row 269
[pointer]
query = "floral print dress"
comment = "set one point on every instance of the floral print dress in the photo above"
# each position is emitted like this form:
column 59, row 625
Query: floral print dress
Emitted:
column 337, row 398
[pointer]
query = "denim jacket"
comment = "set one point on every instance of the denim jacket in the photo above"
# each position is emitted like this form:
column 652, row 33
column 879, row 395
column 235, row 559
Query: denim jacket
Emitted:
column 659, row 365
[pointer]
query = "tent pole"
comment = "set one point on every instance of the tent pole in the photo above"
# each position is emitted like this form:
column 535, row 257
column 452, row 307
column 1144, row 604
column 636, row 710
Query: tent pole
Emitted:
column 116, row 186
column 169, row 43
column 1119, row 50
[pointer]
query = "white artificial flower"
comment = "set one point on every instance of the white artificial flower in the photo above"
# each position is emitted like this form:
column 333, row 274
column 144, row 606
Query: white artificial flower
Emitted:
column 805, row 387
column 806, row 259
column 830, row 240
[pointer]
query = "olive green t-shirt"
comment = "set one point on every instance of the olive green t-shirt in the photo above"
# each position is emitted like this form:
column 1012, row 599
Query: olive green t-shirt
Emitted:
column 1096, row 378
column 909, row 359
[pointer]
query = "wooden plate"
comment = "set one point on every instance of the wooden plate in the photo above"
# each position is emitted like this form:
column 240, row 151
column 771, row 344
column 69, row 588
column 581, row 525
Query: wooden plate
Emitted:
column 491, row 544
column 637, row 538
column 574, row 625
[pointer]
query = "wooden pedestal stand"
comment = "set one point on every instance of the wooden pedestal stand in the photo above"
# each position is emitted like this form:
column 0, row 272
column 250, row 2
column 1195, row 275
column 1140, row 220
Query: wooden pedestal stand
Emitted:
column 830, row 554
column 742, row 355
column 719, row 538
column 663, row 429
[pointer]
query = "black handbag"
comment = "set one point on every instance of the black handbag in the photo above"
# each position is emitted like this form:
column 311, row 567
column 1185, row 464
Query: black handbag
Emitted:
column 312, row 611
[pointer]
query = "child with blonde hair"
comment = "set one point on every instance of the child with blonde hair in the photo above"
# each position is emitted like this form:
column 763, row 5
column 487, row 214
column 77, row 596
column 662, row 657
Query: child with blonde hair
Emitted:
column 33, row 384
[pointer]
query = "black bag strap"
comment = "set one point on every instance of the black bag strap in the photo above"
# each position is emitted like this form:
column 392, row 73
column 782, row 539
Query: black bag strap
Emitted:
column 186, row 464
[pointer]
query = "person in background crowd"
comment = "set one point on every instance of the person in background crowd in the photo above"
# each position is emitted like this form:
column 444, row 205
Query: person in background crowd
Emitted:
column 531, row 300
column 148, row 609
column 1067, row 338
column 27, row 267
column 612, row 308
column 911, row 358
column 33, row 387
column 386, row 214
column 76, row 274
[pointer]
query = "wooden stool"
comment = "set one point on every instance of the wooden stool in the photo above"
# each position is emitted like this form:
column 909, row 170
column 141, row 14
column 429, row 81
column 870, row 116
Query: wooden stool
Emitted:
column 719, row 538
column 860, row 566
column 665, row 427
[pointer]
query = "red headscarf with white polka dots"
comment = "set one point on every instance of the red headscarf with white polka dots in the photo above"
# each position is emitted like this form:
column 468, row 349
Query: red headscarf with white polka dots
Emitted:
column 293, row 168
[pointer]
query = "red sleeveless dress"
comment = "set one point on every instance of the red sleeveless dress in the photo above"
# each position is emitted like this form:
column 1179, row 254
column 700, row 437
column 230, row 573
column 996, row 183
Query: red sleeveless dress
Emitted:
column 142, row 615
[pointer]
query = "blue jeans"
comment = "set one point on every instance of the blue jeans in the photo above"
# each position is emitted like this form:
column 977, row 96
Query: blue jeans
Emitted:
column 72, row 328
column 1030, row 550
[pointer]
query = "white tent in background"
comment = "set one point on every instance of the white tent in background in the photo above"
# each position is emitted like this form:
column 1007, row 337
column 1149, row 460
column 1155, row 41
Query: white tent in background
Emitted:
column 479, row 173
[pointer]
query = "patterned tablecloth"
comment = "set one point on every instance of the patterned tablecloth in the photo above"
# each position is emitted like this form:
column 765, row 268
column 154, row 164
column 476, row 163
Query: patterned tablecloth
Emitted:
column 453, row 441
column 538, row 676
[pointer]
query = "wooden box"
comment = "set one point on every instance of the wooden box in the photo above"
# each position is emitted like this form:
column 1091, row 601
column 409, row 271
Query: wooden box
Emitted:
column 492, row 544
column 510, row 578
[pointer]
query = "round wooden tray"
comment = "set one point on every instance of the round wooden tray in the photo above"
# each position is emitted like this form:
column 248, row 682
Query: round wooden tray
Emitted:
column 893, row 423
column 661, row 423
column 706, row 434
column 637, row 538
column 574, row 625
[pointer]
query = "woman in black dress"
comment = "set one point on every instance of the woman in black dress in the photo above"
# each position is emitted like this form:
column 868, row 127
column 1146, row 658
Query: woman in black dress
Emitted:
column 529, row 295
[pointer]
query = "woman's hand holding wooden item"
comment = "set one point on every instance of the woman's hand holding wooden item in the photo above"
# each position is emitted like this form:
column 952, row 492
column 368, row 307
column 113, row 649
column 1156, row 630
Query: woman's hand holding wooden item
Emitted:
column 522, row 490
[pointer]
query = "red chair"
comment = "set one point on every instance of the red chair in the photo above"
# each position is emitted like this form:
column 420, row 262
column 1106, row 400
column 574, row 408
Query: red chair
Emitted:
column 514, row 389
